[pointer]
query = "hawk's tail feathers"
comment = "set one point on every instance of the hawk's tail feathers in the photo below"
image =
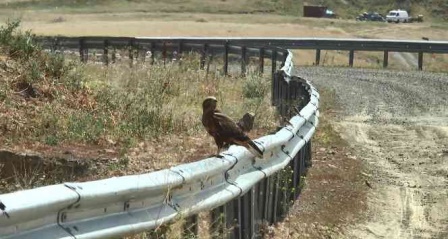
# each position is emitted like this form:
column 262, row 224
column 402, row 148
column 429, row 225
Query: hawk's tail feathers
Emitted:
column 253, row 148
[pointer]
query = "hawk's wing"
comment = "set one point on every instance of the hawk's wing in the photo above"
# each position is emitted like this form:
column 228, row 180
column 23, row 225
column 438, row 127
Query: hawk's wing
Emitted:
column 228, row 128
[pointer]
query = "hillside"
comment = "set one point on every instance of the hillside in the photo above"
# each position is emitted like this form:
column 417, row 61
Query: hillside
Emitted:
column 348, row 9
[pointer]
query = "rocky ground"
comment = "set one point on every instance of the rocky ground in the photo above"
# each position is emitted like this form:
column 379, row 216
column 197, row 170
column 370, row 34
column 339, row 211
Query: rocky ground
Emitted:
column 396, row 125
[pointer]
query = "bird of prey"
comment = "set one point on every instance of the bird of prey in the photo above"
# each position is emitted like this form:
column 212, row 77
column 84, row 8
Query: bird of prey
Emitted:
column 223, row 129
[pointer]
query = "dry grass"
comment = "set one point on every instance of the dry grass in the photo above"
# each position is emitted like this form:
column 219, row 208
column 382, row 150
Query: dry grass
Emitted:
column 207, row 6
column 162, row 27
column 140, row 118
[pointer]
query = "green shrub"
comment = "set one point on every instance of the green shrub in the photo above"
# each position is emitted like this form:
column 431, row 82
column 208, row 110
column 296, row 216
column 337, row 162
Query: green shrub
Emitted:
column 51, row 140
column 255, row 87
column 56, row 66
column 17, row 45
column 2, row 95
column 37, row 65
column 86, row 127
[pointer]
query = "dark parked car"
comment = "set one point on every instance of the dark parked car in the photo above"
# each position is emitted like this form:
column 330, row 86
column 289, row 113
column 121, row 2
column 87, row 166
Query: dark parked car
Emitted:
column 371, row 16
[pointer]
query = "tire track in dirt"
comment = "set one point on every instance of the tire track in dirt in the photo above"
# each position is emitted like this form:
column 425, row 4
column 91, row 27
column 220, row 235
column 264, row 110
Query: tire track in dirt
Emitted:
column 397, row 123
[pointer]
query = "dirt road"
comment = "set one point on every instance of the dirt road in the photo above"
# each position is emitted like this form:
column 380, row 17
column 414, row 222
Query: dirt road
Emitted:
column 397, row 123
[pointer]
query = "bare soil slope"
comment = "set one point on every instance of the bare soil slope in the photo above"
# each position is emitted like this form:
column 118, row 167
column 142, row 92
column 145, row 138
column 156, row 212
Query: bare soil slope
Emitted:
column 397, row 123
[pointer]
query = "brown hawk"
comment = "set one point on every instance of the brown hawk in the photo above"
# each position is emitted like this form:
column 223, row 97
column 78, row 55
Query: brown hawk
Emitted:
column 224, row 130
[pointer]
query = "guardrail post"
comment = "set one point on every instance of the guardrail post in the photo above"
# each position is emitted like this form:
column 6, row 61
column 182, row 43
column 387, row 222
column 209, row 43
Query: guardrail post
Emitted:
column 420, row 60
column 248, row 211
column 180, row 49
column 137, row 53
column 209, row 62
column 317, row 61
column 217, row 224
column 240, row 214
column 190, row 227
column 257, row 209
column 243, row 60
column 305, row 157
column 114, row 55
column 284, row 106
column 261, row 62
column 231, row 210
column 164, row 53
column 274, row 78
column 268, row 200
column 83, row 51
column 274, row 62
column 386, row 59
column 55, row 46
column 226, row 58
column 285, row 57
column 246, row 215
column 276, row 89
column 295, row 175
column 283, row 190
column 293, row 97
column 141, row 54
column 279, row 56
column 301, row 170
column 106, row 52
column 153, row 53
column 276, row 202
column 204, row 55
column 280, row 99
column 264, row 200
column 131, row 52
column 237, row 218
column 308, row 160
column 350, row 58
column 302, row 91
column 271, row 203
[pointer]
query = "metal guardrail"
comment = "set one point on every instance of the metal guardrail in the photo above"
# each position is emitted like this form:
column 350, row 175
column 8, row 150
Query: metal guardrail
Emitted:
column 241, row 195
column 181, row 44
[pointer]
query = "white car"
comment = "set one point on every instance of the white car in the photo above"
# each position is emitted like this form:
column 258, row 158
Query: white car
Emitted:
column 397, row 16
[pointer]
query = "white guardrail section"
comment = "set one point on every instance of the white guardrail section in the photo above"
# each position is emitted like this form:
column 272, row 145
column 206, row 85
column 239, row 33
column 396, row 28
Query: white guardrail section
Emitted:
column 125, row 205
column 288, row 67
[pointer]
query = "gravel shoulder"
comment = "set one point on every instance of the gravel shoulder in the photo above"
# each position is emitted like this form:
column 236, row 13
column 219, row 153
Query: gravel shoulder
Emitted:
column 397, row 125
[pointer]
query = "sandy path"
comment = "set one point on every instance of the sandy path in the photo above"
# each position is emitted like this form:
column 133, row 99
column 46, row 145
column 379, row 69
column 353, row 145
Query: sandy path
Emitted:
column 397, row 122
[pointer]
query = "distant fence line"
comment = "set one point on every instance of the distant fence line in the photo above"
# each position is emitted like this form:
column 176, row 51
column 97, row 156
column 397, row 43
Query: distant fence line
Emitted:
column 261, row 47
